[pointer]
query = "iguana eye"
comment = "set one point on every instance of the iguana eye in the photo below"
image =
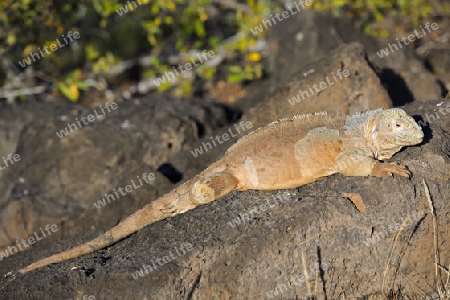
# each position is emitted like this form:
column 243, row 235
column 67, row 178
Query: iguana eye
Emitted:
column 397, row 125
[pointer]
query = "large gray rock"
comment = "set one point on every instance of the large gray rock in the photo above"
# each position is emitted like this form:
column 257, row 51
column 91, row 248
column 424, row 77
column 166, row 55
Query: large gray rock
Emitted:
column 249, row 245
column 58, row 180
column 360, row 91
column 310, row 35
column 343, row 81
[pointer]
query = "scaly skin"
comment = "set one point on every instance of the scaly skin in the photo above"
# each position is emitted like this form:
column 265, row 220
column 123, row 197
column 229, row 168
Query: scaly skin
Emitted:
column 284, row 154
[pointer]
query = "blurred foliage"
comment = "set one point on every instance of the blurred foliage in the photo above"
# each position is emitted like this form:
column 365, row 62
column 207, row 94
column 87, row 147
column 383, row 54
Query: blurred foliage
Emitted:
column 71, row 85
column 113, row 31
column 369, row 12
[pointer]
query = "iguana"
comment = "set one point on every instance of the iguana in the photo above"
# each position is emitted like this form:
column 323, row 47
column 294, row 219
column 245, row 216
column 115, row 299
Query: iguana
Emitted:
column 285, row 154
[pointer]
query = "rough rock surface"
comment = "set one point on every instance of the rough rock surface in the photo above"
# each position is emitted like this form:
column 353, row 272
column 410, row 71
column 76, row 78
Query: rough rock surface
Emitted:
column 341, row 81
column 310, row 35
column 356, row 252
column 57, row 180
column 97, row 158
column 362, row 90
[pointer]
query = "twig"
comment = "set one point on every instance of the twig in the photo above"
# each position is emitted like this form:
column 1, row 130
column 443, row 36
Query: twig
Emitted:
column 22, row 92
column 305, row 273
column 316, row 283
column 233, row 5
column 445, row 270
column 433, row 214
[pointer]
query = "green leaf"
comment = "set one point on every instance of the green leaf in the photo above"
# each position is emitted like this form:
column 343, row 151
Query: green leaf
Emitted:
column 82, row 85
column 235, row 69
column 149, row 74
column 235, row 78
column 199, row 28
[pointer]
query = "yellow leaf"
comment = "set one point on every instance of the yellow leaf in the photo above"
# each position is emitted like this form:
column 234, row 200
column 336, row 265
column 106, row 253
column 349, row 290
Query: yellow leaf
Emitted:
column 28, row 49
column 254, row 56
column 11, row 38
column 168, row 20
column 203, row 17
column 74, row 92
column 171, row 6
column 155, row 9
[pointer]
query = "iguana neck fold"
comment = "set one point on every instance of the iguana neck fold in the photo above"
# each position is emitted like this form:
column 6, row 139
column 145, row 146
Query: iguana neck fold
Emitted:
column 360, row 130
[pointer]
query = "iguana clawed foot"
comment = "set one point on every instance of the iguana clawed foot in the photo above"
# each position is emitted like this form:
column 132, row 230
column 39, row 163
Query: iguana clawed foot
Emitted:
column 170, row 208
column 389, row 169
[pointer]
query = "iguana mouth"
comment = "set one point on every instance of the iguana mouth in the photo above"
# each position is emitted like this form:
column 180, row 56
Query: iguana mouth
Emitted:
column 413, row 138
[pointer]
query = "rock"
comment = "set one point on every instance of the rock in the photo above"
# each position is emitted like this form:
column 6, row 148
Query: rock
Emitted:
column 253, row 244
column 309, row 36
column 342, row 81
column 239, row 248
column 58, row 180
column 362, row 90
column 63, row 190
column 439, row 62
column 412, row 82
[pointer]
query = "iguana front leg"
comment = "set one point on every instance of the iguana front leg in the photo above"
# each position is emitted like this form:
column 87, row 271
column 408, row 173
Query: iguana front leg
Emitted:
column 354, row 162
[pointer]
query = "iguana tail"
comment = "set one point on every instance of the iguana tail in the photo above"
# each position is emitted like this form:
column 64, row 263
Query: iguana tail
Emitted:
column 202, row 189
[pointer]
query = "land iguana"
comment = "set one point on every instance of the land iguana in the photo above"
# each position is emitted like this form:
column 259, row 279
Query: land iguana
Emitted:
column 285, row 154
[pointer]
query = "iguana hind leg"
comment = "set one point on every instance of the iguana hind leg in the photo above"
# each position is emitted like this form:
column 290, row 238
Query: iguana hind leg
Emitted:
column 183, row 198
column 212, row 187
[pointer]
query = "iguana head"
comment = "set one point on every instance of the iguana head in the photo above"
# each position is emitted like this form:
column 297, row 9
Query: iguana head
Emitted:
column 393, row 130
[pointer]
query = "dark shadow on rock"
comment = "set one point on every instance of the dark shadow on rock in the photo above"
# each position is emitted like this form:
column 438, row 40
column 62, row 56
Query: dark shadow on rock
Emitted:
column 428, row 133
column 170, row 172
column 396, row 87
column 444, row 90
column 232, row 113
column 321, row 272
column 417, row 226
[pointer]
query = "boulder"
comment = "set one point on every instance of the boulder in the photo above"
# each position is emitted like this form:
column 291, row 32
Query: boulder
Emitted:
column 280, row 244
